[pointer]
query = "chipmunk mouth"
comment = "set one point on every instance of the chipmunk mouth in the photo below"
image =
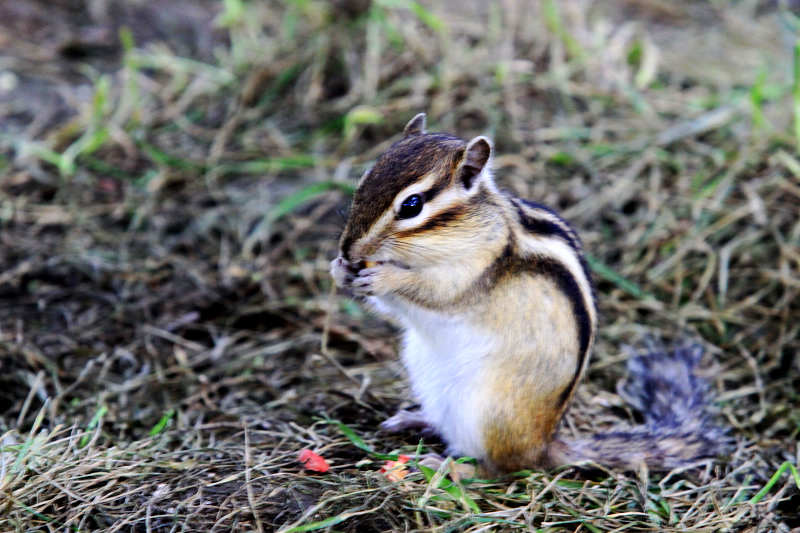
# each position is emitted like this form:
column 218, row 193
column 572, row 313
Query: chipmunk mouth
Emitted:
column 399, row 264
column 370, row 264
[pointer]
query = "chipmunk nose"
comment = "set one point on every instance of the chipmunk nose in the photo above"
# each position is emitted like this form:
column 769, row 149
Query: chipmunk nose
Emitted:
column 339, row 270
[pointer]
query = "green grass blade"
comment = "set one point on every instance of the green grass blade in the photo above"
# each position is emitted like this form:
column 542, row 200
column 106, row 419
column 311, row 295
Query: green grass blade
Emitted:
column 422, row 13
column 359, row 443
column 322, row 524
column 23, row 452
column 162, row 423
column 609, row 274
column 92, row 424
column 774, row 479
column 168, row 160
column 757, row 100
column 426, row 17
column 275, row 164
column 554, row 23
column 295, row 200
column 453, row 489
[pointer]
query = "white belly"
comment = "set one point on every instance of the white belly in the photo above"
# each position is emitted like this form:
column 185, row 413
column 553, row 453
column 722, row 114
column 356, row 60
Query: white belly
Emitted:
column 444, row 357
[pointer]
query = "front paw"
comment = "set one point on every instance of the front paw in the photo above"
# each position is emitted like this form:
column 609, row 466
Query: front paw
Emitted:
column 380, row 279
column 366, row 281
column 343, row 272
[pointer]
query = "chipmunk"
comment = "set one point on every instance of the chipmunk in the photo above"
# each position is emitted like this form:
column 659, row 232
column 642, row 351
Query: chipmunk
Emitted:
column 498, row 313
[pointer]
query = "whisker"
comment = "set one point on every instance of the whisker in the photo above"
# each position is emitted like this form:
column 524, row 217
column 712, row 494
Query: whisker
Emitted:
column 407, row 245
column 402, row 245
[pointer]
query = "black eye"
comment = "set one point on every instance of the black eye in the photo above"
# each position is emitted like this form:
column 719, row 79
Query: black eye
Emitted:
column 410, row 207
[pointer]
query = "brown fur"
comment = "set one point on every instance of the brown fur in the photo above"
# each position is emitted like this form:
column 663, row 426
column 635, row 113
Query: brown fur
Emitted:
column 513, row 268
column 532, row 370
column 467, row 255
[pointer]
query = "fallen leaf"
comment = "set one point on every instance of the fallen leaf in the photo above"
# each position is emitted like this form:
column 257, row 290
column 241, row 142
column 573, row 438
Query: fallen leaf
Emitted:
column 313, row 461
column 395, row 470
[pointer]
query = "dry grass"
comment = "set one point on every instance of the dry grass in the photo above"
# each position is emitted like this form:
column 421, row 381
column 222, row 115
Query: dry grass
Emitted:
column 169, row 202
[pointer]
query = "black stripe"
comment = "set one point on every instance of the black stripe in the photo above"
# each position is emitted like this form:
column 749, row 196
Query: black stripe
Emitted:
column 565, row 280
column 508, row 262
column 440, row 220
column 541, row 226
column 436, row 188
column 347, row 243
column 568, row 285
column 548, row 228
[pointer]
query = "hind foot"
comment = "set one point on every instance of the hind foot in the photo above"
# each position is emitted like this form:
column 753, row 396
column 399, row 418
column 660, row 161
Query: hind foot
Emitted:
column 404, row 420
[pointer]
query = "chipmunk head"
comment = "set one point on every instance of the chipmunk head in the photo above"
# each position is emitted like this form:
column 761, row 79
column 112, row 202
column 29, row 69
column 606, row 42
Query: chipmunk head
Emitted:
column 420, row 189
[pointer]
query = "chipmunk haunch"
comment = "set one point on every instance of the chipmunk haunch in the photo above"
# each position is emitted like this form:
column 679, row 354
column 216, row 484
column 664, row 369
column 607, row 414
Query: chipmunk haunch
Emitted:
column 492, row 293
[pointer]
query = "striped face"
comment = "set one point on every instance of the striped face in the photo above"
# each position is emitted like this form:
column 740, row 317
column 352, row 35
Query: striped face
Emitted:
column 418, row 188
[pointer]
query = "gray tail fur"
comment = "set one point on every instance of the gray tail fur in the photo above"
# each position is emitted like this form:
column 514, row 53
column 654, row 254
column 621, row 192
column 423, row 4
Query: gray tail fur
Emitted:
column 678, row 428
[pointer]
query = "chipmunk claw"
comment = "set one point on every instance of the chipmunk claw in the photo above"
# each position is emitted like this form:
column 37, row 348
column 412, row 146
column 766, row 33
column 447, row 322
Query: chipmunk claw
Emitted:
column 363, row 282
column 344, row 272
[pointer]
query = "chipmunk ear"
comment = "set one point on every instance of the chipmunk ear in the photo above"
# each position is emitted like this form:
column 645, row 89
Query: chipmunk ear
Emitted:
column 415, row 126
column 476, row 156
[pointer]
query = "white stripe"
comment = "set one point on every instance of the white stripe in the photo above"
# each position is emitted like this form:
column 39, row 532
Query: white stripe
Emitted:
column 564, row 254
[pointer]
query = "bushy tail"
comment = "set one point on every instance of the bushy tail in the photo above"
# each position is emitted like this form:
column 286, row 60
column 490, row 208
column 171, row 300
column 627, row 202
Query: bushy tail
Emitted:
column 678, row 429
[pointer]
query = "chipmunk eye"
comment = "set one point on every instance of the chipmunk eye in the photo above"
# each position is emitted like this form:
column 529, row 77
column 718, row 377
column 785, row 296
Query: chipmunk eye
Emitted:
column 410, row 207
